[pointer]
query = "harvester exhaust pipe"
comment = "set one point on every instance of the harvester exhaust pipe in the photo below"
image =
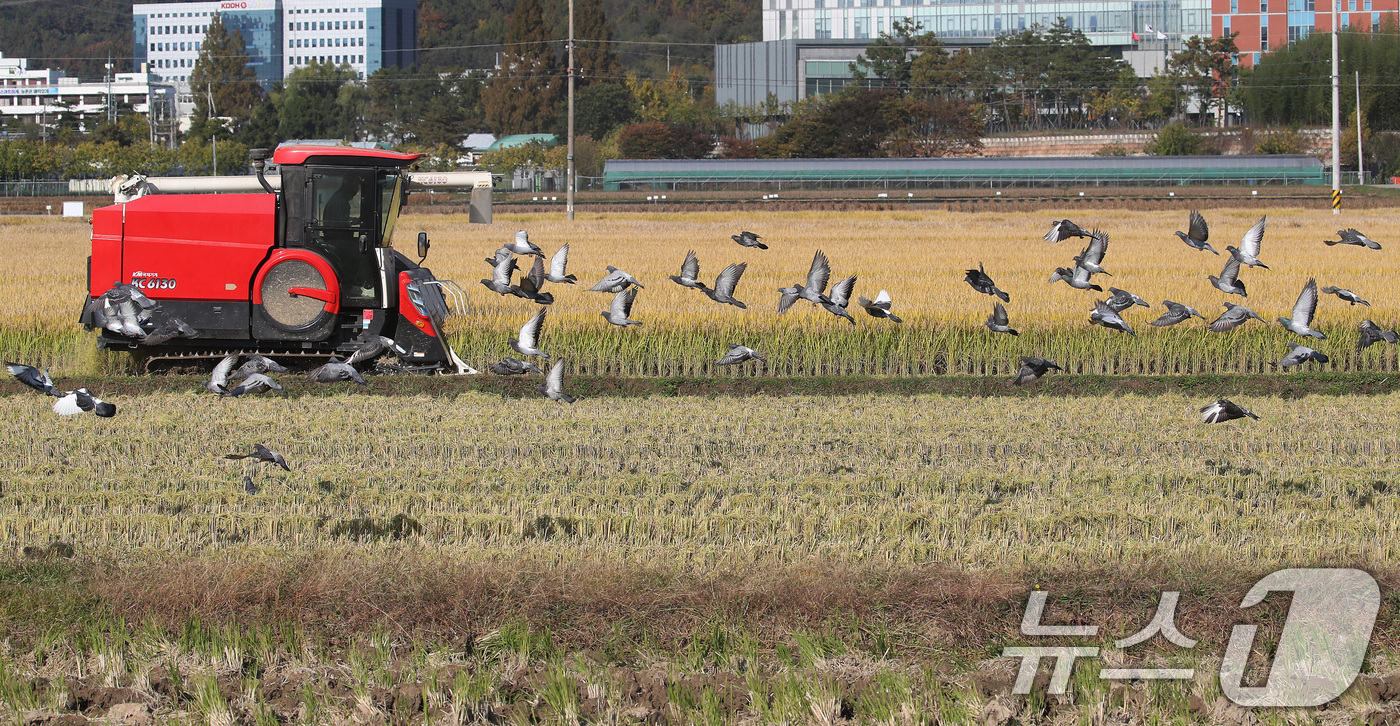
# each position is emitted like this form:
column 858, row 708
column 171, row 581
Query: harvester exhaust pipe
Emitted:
column 258, row 157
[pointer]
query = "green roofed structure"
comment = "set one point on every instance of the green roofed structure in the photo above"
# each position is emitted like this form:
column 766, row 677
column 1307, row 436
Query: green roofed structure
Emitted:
column 506, row 142
column 961, row 172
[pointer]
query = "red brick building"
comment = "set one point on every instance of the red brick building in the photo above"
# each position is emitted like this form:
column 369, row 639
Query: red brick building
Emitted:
column 1265, row 25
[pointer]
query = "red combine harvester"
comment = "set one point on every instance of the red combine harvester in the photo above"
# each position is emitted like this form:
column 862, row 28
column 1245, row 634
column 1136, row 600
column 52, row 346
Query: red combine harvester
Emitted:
column 302, row 270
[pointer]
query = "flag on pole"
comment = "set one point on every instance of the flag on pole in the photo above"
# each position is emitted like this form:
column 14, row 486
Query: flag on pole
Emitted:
column 1136, row 39
column 1161, row 35
column 1149, row 28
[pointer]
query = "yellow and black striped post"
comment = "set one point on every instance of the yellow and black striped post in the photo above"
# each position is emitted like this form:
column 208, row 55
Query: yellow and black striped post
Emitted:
column 1336, row 199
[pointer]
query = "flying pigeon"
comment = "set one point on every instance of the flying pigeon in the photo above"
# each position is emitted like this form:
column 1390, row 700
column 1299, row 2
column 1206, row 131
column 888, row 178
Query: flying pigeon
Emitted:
column 1176, row 313
column 998, row 322
column 748, row 239
column 529, row 287
column 372, row 347
column 30, row 376
column 1092, row 256
column 738, row 354
column 500, row 275
column 255, row 383
column 1372, row 333
column 1248, row 251
column 1229, row 281
column 1224, row 410
column 1032, row 369
column 166, row 327
column 817, row 277
column 615, row 281
column 1063, row 230
column 621, row 308
column 1303, row 311
column 1122, row 300
column 514, row 367
column 557, row 263
column 1345, row 294
column 553, row 387
column 1300, row 354
column 1077, row 278
column 75, row 402
column 1104, row 315
column 980, row 282
column 1352, row 237
column 218, row 379
column 1233, row 317
column 880, row 307
column 728, row 279
column 335, row 371
column 690, row 271
column 1198, row 233
column 263, row 454
column 841, row 297
column 522, row 245
column 256, row 364
column 529, row 336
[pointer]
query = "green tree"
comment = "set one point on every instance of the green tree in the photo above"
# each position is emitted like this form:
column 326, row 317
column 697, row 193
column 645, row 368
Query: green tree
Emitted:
column 532, row 155
column 521, row 97
column 1175, row 139
column 224, row 87
column 890, row 57
column 600, row 108
column 1206, row 65
column 311, row 104
column 595, row 60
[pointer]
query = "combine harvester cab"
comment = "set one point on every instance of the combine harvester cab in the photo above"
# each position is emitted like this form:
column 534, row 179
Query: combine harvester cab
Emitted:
column 298, row 270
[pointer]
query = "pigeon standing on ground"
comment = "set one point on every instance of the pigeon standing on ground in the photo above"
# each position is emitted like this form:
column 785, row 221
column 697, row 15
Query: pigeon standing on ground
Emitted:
column 1224, row 410
column 1229, row 280
column 1233, row 317
column 980, row 282
column 1345, row 294
column 1063, row 230
column 334, row 371
column 1176, row 313
column 1300, row 354
column 218, row 379
column 1122, row 300
column 690, row 273
column 1104, row 315
column 738, row 354
column 615, row 281
column 1303, row 311
column 522, row 245
column 621, row 308
column 248, row 486
column 817, row 276
column 529, row 336
column 75, row 402
column 553, row 387
column 262, row 454
column 557, row 263
column 1032, row 369
column 879, row 307
column 728, row 279
column 998, row 322
column 1092, row 255
column 1352, row 237
column 1078, row 278
column 1197, row 234
column 514, row 367
column 32, row 377
column 1372, row 333
column 372, row 347
column 748, row 239
column 1248, row 251
column 255, row 383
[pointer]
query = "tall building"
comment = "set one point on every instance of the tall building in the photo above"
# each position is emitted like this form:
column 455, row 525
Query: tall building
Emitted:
column 41, row 94
column 1265, row 25
column 279, row 35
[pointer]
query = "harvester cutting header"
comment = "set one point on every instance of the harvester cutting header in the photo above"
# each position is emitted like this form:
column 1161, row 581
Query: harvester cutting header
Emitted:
column 301, row 264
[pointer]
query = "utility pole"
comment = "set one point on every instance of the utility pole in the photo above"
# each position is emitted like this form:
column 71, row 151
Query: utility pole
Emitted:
column 111, row 108
column 1360, row 165
column 1336, row 111
column 569, row 183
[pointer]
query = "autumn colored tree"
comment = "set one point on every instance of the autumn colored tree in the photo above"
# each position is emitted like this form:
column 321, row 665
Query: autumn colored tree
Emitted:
column 521, row 97
column 594, row 57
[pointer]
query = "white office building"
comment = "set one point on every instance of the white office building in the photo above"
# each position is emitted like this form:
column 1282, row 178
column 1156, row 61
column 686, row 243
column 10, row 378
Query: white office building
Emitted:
column 40, row 94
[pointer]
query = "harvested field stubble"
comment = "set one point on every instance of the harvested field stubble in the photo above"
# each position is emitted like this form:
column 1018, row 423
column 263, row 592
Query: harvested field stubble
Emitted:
column 977, row 483
column 918, row 257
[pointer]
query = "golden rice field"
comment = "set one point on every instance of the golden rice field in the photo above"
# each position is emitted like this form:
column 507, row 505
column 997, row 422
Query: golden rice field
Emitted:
column 919, row 257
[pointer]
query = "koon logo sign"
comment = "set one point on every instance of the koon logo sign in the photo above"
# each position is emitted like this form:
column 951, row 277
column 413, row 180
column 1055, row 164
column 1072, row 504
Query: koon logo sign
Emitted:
column 233, row 6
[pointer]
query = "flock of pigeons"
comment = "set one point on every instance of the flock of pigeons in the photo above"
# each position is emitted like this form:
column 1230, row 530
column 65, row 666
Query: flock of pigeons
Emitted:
column 126, row 310
column 1108, row 312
